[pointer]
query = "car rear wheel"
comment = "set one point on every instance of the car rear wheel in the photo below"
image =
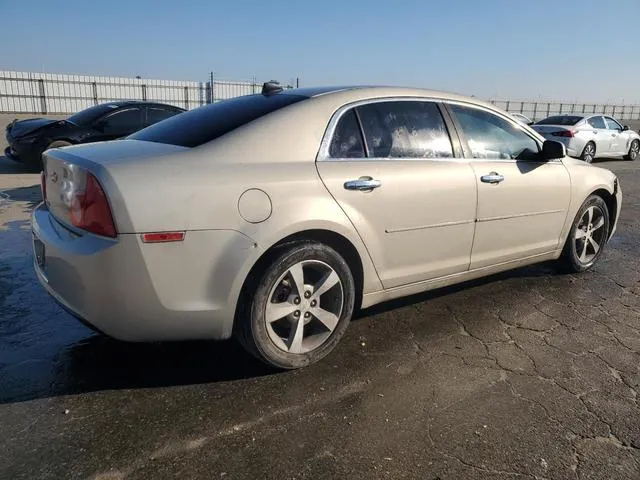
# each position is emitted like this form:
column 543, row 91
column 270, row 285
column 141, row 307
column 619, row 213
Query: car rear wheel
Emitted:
column 634, row 150
column 587, row 237
column 299, row 307
column 589, row 152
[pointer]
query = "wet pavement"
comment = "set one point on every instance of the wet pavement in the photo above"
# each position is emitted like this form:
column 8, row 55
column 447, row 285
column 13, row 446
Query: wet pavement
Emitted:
column 528, row 374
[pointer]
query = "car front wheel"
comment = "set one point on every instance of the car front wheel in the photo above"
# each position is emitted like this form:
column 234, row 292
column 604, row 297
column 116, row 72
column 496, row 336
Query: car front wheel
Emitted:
column 297, row 310
column 587, row 237
column 634, row 150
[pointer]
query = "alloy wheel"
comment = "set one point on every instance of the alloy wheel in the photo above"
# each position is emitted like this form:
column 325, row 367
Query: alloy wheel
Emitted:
column 304, row 307
column 589, row 153
column 589, row 234
column 634, row 150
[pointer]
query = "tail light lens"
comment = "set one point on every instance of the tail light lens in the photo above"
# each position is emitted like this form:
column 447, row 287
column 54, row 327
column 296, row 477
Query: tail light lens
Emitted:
column 564, row 133
column 89, row 208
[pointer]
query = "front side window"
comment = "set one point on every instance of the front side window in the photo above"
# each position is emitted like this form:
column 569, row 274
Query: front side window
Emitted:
column 492, row 137
column 123, row 122
column 612, row 124
column 347, row 141
column 157, row 114
column 596, row 122
column 405, row 129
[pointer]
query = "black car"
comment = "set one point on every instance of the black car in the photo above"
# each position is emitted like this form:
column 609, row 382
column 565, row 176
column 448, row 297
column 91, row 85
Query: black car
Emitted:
column 27, row 139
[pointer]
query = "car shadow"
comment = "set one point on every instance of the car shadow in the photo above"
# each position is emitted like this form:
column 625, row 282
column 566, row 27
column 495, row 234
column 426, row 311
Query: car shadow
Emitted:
column 32, row 195
column 94, row 362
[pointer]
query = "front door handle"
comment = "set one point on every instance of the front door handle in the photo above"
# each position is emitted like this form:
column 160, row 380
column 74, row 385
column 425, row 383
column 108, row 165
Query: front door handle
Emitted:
column 362, row 184
column 493, row 178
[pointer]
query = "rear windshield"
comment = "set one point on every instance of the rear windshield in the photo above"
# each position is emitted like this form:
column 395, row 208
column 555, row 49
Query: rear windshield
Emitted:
column 86, row 117
column 199, row 126
column 560, row 120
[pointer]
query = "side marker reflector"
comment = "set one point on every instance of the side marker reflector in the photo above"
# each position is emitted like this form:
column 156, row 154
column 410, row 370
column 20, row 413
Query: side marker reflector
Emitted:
column 163, row 237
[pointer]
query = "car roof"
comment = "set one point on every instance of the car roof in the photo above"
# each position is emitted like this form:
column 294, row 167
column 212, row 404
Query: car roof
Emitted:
column 347, row 94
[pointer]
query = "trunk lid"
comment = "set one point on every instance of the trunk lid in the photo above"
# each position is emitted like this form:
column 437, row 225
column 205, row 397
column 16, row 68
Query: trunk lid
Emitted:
column 66, row 169
column 547, row 131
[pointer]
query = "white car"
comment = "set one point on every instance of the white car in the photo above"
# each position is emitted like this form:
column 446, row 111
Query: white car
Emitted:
column 589, row 137
column 521, row 118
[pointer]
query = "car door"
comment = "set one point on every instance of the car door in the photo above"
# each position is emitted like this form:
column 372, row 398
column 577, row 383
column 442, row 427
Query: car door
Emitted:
column 119, row 124
column 602, row 136
column 522, row 201
column 157, row 113
column 618, row 140
column 390, row 165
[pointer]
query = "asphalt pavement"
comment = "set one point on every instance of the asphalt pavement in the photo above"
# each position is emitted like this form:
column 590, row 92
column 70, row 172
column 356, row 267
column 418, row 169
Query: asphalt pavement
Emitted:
column 529, row 374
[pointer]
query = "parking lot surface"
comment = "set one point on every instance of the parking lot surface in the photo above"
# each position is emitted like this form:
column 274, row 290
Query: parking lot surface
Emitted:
column 529, row 374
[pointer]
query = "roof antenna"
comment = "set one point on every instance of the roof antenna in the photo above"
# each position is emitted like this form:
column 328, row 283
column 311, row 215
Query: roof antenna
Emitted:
column 271, row 87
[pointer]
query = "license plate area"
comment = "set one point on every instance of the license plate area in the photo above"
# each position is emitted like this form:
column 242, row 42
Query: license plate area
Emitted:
column 38, row 250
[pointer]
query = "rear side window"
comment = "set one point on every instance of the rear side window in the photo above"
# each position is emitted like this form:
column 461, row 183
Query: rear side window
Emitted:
column 560, row 120
column 204, row 124
column 405, row 129
column 347, row 141
column 596, row 122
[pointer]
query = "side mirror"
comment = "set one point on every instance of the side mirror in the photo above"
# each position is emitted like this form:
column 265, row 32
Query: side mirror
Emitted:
column 625, row 128
column 552, row 150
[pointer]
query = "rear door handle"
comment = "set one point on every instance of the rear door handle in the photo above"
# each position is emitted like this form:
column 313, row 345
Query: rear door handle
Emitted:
column 362, row 184
column 493, row 178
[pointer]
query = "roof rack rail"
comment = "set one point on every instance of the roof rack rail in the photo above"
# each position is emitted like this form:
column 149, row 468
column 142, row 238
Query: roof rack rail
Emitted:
column 271, row 87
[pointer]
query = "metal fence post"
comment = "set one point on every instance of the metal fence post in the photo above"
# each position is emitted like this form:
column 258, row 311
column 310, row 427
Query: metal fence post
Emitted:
column 548, row 108
column 213, row 89
column 507, row 105
column 253, row 84
column 144, row 91
column 297, row 82
column 535, row 110
column 43, row 97
column 614, row 111
column 94, row 87
column 186, row 98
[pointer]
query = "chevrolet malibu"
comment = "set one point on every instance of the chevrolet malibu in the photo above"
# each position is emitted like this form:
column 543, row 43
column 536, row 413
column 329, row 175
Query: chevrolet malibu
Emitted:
column 272, row 217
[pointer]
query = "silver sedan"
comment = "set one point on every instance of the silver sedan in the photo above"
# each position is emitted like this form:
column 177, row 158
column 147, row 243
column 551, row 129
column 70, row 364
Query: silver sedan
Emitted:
column 273, row 217
column 590, row 137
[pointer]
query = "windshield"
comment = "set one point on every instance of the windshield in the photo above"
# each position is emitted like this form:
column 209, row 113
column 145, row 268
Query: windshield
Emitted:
column 88, row 116
column 199, row 126
column 560, row 120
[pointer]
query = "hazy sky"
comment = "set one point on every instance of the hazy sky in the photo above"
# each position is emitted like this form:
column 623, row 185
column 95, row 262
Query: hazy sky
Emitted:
column 566, row 50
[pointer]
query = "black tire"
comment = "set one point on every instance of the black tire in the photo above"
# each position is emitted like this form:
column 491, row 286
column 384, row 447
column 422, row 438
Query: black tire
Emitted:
column 634, row 150
column 35, row 164
column 589, row 152
column 251, row 325
column 571, row 260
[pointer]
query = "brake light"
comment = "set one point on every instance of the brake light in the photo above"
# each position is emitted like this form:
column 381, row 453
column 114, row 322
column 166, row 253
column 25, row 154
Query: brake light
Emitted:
column 90, row 209
column 564, row 133
column 43, row 186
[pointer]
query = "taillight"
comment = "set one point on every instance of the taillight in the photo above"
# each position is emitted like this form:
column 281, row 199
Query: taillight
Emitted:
column 90, row 211
column 563, row 133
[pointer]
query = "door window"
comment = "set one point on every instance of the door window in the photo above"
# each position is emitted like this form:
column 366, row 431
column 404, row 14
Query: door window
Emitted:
column 405, row 129
column 492, row 137
column 347, row 140
column 122, row 123
column 157, row 114
column 612, row 124
column 596, row 122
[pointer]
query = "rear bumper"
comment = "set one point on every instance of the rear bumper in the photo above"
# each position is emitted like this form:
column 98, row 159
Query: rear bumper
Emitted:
column 134, row 291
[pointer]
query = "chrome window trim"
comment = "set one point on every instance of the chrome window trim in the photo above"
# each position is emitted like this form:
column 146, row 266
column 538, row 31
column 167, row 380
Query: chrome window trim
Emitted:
column 323, row 152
